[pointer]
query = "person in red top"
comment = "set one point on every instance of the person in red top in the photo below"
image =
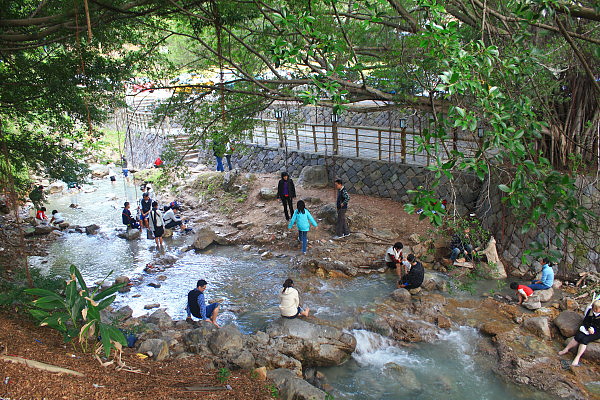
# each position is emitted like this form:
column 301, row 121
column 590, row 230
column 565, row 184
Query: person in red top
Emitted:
column 523, row 292
column 41, row 214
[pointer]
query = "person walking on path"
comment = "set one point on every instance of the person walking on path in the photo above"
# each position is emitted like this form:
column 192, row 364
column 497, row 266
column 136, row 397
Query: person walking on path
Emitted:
column 341, row 225
column 303, row 220
column 589, row 331
column 286, row 191
column 415, row 276
column 157, row 224
column 289, row 301
column 196, row 305
column 547, row 279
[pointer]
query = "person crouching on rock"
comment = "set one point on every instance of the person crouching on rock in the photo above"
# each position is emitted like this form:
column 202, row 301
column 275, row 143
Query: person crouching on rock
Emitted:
column 57, row 218
column 196, row 305
column 415, row 276
column 588, row 332
column 290, row 301
column 523, row 292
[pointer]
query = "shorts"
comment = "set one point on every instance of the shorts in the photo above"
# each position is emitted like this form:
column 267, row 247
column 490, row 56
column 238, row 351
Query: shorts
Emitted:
column 300, row 309
column 125, row 172
column 210, row 309
column 158, row 232
column 390, row 264
column 173, row 224
column 113, row 178
column 143, row 217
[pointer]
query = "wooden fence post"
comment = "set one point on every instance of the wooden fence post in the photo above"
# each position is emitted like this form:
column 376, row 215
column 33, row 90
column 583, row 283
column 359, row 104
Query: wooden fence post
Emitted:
column 315, row 138
column 297, row 137
column 379, row 144
column 356, row 133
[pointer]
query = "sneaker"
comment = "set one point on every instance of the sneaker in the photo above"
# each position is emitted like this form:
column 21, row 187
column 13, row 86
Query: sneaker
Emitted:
column 346, row 235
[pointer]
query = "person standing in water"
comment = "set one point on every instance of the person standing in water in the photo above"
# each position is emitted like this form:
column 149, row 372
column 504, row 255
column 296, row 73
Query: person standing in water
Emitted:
column 157, row 224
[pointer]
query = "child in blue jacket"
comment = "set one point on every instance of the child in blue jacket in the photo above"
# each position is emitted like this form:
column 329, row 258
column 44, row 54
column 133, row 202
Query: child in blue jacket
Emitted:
column 303, row 220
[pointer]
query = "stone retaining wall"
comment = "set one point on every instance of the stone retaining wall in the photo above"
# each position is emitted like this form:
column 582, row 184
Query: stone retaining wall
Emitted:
column 362, row 176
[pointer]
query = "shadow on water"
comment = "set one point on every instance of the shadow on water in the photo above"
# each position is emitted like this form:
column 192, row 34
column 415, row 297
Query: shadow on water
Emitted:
column 248, row 288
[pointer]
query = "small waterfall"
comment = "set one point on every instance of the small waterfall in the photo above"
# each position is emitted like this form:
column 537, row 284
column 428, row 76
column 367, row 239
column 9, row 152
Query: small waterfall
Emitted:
column 461, row 343
column 376, row 350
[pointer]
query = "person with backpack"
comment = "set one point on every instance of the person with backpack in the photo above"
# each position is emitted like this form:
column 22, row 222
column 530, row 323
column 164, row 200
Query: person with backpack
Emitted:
column 302, row 219
column 157, row 224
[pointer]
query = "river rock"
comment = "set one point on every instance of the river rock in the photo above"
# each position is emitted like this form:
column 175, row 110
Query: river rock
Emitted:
column 292, row 387
column 130, row 234
column 261, row 373
column 568, row 323
column 405, row 375
column 195, row 340
column 168, row 233
column 151, row 306
column 155, row 285
column 267, row 193
column 312, row 344
column 56, row 187
column 313, row 176
column 63, row 225
column 539, row 326
column 160, row 318
column 401, row 295
column 544, row 295
column 592, row 352
column 328, row 213
column 532, row 303
column 158, row 349
column 43, row 230
column 123, row 280
column 244, row 360
column 228, row 338
column 92, row 229
column 205, row 236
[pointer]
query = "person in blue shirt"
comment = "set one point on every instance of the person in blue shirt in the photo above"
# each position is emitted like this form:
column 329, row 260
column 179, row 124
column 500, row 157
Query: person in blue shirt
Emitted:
column 547, row 279
column 303, row 220
column 197, row 307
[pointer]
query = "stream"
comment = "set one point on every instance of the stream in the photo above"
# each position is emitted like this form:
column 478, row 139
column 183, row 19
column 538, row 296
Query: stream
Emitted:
column 248, row 288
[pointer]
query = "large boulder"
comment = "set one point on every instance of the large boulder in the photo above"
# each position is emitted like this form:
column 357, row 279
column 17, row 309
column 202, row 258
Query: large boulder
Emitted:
column 43, row 230
column 160, row 318
column 328, row 213
column 313, row 176
column 196, row 340
column 56, row 187
column 312, row 344
column 158, row 349
column 401, row 295
column 92, row 229
column 544, row 295
column 205, row 236
column 568, row 323
column 539, row 326
column 228, row 338
column 291, row 387
column 267, row 193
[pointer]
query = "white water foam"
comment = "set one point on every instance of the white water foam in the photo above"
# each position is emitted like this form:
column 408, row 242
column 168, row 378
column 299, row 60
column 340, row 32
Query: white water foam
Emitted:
column 373, row 349
column 462, row 342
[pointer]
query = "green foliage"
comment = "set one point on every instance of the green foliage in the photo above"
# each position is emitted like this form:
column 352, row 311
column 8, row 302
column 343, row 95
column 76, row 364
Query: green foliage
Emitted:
column 273, row 391
column 76, row 312
column 223, row 375
column 14, row 283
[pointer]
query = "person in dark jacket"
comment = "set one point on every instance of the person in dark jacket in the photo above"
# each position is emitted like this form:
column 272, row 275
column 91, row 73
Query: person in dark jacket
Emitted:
column 415, row 276
column 286, row 191
column 196, row 305
column 341, row 225
column 589, row 331
column 128, row 219
column 461, row 245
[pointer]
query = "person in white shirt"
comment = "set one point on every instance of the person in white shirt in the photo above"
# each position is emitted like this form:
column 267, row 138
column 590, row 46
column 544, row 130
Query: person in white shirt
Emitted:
column 56, row 218
column 394, row 259
column 171, row 219
column 290, row 301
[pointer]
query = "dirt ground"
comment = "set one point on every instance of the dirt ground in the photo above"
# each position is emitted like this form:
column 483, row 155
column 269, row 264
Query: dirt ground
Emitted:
column 375, row 223
column 164, row 380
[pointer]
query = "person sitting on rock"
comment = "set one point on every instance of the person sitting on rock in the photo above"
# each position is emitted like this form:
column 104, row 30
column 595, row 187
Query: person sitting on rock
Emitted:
column 547, row 279
column 414, row 278
column 460, row 245
column 40, row 216
column 196, row 305
column 128, row 220
column 589, row 331
column 57, row 218
column 523, row 292
column 289, row 302
column 173, row 220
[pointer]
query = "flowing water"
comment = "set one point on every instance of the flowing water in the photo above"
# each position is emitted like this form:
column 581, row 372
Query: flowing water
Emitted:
column 248, row 288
